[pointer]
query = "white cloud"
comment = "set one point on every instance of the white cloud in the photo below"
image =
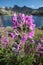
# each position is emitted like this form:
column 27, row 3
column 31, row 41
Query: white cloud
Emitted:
column 41, row 5
column 32, row 6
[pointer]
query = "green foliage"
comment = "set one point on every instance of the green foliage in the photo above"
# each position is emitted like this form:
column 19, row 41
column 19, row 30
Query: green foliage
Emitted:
column 7, row 57
column 38, row 34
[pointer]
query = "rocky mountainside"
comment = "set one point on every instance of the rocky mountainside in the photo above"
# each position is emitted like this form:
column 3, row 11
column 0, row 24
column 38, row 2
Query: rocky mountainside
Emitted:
column 28, row 10
column 18, row 9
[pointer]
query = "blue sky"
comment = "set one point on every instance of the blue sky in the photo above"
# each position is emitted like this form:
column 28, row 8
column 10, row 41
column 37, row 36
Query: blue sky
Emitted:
column 28, row 3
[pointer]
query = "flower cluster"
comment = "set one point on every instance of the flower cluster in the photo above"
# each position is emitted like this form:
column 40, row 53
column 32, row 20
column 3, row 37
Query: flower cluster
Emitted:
column 39, row 47
column 24, row 27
